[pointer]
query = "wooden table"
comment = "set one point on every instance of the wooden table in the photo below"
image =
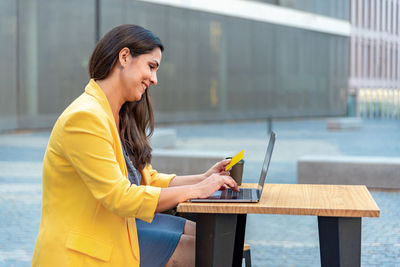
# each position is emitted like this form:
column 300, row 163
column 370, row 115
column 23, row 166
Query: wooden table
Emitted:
column 220, row 227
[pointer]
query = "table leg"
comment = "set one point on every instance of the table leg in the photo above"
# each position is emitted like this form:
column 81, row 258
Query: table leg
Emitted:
column 216, row 238
column 239, row 240
column 340, row 241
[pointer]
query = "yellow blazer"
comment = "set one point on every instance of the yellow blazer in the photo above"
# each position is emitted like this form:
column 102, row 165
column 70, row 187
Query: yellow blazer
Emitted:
column 88, row 204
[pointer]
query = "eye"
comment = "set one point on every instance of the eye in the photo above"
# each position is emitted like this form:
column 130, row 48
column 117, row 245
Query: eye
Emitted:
column 152, row 67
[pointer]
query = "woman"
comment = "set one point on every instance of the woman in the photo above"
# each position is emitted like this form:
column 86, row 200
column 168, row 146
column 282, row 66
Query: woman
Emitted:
column 98, row 184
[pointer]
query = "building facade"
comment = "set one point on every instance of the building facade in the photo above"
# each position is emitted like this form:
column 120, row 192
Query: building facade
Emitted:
column 224, row 60
column 374, row 83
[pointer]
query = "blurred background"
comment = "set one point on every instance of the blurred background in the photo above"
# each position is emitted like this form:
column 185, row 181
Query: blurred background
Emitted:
column 245, row 60
column 232, row 70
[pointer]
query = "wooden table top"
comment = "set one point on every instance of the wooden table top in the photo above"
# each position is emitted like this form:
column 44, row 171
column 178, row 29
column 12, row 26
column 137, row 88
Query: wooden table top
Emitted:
column 299, row 199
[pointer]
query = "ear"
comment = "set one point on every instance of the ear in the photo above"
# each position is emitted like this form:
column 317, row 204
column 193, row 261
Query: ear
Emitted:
column 123, row 56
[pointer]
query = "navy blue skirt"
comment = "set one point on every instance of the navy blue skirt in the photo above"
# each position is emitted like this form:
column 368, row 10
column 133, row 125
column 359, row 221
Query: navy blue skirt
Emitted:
column 158, row 239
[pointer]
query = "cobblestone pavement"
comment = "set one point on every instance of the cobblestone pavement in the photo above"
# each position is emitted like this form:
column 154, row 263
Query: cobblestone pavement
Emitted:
column 276, row 240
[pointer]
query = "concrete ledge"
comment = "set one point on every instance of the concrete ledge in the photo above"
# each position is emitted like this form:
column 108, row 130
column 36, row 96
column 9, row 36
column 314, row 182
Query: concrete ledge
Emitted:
column 185, row 162
column 163, row 138
column 343, row 123
column 374, row 172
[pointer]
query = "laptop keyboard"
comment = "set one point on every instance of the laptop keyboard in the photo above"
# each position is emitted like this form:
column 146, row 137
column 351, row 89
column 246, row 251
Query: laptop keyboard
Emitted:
column 242, row 194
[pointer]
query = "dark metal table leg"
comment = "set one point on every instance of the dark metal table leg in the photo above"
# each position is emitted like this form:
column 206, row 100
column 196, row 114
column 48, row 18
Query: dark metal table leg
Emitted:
column 215, row 239
column 340, row 241
column 239, row 240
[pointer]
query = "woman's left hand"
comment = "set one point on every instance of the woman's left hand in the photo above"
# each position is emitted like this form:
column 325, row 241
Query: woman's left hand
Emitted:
column 219, row 168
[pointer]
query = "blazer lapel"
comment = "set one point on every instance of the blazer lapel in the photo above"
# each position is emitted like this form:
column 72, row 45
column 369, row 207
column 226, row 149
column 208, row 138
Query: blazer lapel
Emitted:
column 93, row 89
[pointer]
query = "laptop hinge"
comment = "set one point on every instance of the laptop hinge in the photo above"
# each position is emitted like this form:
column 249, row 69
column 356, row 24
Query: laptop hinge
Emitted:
column 258, row 194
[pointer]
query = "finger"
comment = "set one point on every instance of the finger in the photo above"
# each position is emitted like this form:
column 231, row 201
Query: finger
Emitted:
column 220, row 165
column 222, row 188
column 226, row 173
column 231, row 183
column 223, row 163
column 226, row 161
column 236, row 187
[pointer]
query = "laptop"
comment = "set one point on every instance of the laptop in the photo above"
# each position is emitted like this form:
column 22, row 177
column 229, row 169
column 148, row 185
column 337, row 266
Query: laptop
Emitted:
column 245, row 194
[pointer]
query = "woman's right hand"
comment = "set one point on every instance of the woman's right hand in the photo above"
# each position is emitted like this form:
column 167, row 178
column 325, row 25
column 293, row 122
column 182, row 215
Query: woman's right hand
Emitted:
column 171, row 196
column 211, row 184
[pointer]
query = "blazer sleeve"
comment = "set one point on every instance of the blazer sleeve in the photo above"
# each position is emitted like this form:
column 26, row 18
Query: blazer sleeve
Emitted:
column 158, row 179
column 88, row 145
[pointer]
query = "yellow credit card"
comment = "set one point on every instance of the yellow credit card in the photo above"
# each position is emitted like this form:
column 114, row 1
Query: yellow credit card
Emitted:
column 235, row 160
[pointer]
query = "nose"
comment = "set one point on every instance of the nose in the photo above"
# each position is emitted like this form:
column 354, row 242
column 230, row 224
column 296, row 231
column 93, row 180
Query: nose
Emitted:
column 153, row 79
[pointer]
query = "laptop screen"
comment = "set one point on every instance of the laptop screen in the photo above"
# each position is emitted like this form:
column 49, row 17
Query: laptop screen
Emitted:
column 266, row 164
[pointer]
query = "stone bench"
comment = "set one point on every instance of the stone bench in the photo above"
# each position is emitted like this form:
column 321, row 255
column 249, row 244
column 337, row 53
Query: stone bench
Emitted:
column 343, row 123
column 374, row 172
column 186, row 162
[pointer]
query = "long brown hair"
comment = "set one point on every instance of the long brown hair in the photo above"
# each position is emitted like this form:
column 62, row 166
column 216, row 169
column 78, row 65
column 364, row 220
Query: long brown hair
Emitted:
column 136, row 118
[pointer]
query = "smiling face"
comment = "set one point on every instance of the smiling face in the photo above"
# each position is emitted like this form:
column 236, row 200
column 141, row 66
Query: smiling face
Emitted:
column 138, row 73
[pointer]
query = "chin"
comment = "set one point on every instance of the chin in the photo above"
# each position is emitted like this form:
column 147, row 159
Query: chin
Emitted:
column 137, row 98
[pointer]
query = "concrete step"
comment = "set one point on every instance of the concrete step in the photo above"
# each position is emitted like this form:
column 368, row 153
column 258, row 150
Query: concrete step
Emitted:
column 343, row 123
column 374, row 172
column 163, row 138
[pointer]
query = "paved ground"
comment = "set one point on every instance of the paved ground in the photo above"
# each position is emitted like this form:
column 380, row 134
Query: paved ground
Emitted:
column 276, row 240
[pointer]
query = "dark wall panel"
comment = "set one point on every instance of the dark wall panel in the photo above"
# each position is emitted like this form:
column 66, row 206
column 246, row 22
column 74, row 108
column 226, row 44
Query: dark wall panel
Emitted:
column 214, row 67
column 56, row 40
column 219, row 67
